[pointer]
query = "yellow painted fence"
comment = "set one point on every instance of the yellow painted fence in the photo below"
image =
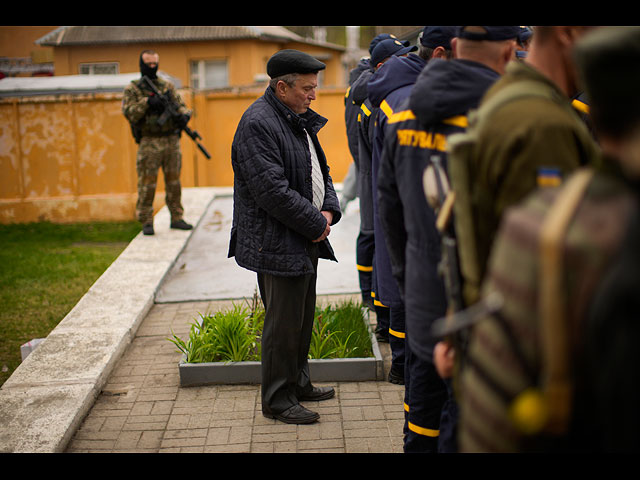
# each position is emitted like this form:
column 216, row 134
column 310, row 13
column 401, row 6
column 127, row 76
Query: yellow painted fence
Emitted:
column 71, row 157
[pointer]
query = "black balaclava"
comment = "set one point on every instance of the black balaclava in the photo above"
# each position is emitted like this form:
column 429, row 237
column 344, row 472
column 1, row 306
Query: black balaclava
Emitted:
column 146, row 70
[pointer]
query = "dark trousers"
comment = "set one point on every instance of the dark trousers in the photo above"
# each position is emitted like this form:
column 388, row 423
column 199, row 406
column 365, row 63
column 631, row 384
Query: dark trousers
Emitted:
column 447, row 442
column 425, row 396
column 289, row 311
column 364, row 262
column 383, row 316
column 397, row 339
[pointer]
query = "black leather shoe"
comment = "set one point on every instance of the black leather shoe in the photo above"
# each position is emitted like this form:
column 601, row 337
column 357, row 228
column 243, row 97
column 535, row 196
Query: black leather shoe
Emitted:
column 396, row 378
column 296, row 414
column 382, row 336
column 181, row 225
column 147, row 229
column 317, row 393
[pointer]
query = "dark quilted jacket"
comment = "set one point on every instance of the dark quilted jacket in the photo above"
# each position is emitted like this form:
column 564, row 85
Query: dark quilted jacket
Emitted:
column 274, row 221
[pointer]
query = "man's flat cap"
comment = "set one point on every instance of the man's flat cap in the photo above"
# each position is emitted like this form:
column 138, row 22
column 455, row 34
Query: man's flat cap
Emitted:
column 288, row 61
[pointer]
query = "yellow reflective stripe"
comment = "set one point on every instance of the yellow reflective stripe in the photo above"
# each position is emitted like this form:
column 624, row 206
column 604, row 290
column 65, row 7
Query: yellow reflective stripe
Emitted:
column 377, row 303
column 347, row 92
column 364, row 268
column 427, row 432
column 578, row 105
column 396, row 333
column 402, row 116
column 366, row 111
column 458, row 121
column 386, row 108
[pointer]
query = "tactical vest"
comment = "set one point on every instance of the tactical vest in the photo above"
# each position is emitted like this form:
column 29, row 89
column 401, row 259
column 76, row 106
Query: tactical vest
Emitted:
column 153, row 124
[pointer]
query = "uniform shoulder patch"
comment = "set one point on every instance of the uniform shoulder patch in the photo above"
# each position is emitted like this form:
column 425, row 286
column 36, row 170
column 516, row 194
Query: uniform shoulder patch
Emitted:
column 548, row 177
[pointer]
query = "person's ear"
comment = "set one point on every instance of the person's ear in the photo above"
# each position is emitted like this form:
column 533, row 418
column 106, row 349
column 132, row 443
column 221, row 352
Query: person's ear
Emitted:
column 281, row 87
column 454, row 47
column 439, row 52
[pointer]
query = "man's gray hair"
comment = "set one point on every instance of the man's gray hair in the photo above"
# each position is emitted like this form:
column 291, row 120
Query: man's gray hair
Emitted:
column 290, row 79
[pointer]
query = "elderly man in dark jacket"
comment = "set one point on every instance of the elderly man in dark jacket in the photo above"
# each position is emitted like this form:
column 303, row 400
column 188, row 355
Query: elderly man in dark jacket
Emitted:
column 284, row 206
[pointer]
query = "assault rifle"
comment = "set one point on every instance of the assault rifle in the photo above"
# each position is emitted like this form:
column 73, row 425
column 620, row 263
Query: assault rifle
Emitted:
column 460, row 316
column 441, row 198
column 171, row 112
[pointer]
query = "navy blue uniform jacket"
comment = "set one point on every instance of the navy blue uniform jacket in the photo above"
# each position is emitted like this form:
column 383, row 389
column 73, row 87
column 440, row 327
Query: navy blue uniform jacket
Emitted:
column 388, row 87
column 356, row 94
column 443, row 94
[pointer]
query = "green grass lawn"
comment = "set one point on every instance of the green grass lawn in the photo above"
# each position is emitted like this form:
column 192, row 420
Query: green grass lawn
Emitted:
column 45, row 269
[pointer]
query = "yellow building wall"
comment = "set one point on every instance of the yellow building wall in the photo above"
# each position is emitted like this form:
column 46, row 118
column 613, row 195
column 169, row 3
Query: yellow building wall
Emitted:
column 19, row 41
column 246, row 58
column 69, row 158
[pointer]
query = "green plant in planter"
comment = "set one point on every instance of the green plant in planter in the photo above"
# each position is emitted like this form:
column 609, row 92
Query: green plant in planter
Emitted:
column 234, row 335
column 322, row 342
column 341, row 332
column 229, row 336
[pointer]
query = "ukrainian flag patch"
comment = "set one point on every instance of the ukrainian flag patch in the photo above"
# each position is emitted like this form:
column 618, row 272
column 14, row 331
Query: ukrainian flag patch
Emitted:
column 549, row 177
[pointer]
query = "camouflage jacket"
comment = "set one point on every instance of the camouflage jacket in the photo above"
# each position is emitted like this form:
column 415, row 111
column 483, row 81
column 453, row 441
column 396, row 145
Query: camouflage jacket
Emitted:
column 534, row 340
column 136, row 109
column 527, row 143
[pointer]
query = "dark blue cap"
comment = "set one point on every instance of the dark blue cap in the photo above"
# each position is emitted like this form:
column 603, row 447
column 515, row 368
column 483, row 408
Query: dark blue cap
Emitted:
column 524, row 35
column 433, row 37
column 384, row 36
column 388, row 48
column 493, row 33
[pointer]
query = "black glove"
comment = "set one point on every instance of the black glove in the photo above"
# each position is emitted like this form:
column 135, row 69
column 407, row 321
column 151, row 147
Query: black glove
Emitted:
column 155, row 104
column 182, row 120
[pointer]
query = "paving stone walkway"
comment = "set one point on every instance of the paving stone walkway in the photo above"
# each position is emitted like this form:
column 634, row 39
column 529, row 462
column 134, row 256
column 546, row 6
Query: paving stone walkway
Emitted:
column 143, row 409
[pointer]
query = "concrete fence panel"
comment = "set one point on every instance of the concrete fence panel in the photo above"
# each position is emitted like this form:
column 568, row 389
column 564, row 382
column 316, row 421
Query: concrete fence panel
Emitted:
column 71, row 157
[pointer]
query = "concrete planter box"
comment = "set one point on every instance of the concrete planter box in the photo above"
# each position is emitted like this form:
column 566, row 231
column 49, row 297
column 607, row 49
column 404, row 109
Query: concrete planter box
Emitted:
column 321, row 370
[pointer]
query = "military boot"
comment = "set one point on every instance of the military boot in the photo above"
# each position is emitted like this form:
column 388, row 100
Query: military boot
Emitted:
column 181, row 225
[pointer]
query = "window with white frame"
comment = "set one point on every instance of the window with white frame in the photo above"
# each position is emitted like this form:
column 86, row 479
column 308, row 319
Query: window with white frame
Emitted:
column 102, row 68
column 209, row 74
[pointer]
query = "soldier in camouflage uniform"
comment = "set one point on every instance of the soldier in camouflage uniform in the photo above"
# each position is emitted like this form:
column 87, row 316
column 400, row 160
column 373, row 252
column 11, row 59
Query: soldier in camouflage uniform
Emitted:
column 159, row 143
column 525, row 143
column 538, row 373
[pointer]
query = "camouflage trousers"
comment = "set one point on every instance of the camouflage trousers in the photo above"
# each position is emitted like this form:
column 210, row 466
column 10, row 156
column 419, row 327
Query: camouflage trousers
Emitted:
column 155, row 153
